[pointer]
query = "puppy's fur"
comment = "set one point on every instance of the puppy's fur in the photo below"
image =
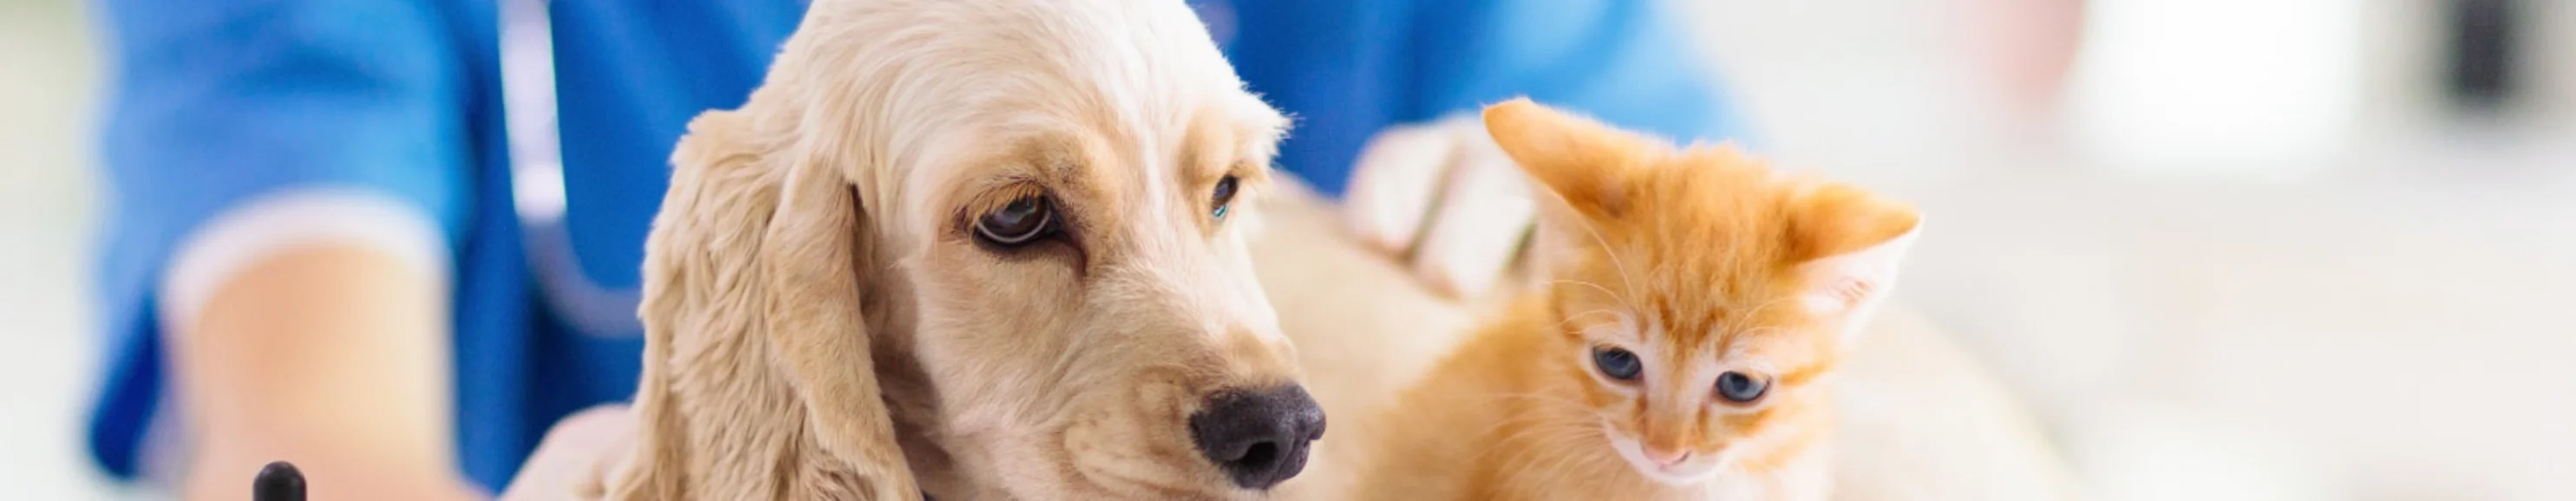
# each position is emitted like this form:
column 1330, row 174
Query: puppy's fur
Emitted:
column 816, row 293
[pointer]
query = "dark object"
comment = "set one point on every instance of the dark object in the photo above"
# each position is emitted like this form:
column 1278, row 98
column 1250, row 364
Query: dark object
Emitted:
column 1258, row 437
column 279, row 481
column 2484, row 56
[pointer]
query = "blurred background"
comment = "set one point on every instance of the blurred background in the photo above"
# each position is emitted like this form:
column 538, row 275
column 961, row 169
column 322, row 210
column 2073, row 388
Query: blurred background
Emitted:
column 2228, row 249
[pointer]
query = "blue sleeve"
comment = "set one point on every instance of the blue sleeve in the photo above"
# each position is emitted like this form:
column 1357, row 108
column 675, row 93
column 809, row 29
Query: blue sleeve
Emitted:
column 1617, row 60
column 213, row 103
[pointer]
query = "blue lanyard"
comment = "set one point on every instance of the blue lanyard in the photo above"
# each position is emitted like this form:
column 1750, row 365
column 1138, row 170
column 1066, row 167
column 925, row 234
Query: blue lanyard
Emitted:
column 537, row 179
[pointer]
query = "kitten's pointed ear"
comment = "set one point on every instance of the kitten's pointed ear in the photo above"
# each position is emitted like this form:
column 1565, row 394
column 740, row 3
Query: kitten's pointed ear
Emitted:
column 1584, row 162
column 1849, row 245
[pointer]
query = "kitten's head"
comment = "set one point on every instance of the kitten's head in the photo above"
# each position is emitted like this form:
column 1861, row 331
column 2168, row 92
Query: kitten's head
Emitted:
column 1702, row 296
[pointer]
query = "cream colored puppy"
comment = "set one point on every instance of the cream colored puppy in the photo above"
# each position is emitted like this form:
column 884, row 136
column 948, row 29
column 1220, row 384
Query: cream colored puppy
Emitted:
column 1007, row 235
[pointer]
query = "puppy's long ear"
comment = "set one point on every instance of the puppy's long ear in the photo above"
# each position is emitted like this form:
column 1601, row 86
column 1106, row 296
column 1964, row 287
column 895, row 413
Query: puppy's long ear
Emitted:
column 811, row 255
column 756, row 353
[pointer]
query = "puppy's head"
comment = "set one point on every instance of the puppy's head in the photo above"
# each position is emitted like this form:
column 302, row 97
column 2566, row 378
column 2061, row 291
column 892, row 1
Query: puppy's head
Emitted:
column 1053, row 200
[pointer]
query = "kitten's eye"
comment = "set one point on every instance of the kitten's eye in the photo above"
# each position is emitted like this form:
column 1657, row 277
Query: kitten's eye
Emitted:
column 1223, row 199
column 1739, row 388
column 1023, row 221
column 1617, row 363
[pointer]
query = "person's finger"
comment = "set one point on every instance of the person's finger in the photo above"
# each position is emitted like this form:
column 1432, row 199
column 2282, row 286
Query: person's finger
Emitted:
column 1484, row 215
column 1393, row 184
column 570, row 462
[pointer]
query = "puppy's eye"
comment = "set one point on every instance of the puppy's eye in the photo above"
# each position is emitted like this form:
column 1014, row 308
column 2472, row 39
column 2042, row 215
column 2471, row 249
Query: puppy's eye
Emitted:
column 1022, row 221
column 1740, row 388
column 1223, row 198
column 1617, row 363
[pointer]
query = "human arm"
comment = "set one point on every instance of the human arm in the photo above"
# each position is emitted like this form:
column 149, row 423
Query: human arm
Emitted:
column 328, row 355
column 319, row 336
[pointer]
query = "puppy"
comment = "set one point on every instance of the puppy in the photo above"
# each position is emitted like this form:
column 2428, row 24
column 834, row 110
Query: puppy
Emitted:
column 982, row 250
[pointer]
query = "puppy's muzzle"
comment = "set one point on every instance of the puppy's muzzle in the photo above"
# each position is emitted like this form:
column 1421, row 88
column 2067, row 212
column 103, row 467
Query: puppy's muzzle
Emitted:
column 1260, row 436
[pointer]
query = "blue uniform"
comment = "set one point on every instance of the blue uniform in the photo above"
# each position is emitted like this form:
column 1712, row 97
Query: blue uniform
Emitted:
column 220, row 102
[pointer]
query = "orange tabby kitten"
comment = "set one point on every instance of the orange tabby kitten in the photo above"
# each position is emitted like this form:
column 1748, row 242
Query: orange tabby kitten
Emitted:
column 1699, row 302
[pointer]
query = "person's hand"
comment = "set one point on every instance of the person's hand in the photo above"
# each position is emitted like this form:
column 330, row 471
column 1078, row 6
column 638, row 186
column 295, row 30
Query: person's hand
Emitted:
column 1442, row 197
column 577, row 458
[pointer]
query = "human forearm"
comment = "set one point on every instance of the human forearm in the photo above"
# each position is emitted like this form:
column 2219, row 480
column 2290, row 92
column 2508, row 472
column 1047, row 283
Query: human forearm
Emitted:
column 330, row 356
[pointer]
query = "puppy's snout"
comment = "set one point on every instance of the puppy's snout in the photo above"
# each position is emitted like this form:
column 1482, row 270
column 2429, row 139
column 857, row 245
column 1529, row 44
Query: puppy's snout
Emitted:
column 1258, row 437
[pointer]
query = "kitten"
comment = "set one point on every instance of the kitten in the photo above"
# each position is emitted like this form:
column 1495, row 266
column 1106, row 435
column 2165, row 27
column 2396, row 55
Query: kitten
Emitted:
column 1699, row 302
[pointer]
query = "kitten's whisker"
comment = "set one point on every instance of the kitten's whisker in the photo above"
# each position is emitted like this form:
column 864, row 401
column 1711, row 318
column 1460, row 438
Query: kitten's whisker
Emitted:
column 1526, row 421
column 1578, row 316
column 1574, row 453
column 1626, row 281
column 1622, row 299
column 1559, row 442
column 1535, row 439
column 1766, row 304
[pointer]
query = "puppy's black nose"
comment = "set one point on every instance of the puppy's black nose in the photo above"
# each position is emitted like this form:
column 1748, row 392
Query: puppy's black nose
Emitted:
column 1258, row 436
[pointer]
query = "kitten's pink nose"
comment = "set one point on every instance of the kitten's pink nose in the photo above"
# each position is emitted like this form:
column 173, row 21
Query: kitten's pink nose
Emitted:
column 1668, row 458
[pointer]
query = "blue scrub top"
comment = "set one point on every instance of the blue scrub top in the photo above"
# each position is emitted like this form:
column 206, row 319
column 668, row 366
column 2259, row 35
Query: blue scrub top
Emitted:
column 217, row 102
